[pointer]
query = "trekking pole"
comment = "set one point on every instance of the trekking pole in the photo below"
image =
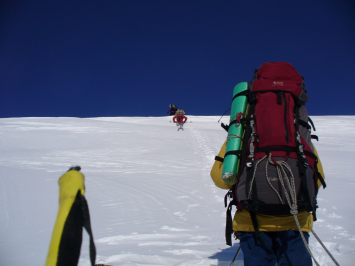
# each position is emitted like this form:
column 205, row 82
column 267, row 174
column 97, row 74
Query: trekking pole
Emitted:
column 223, row 115
column 320, row 242
column 235, row 256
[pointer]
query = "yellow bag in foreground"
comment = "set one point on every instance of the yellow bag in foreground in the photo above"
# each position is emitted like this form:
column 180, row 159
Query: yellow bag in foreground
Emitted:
column 216, row 171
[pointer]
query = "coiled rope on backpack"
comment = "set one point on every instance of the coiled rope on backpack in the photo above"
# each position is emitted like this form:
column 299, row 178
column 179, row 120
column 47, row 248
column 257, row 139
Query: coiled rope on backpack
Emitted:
column 290, row 193
column 287, row 181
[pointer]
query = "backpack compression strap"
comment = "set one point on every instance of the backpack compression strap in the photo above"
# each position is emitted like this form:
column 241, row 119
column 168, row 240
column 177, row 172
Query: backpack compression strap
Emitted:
column 220, row 159
column 257, row 232
column 303, row 164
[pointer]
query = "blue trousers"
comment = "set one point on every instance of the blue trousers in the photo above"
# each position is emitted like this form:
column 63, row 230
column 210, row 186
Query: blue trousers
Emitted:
column 287, row 249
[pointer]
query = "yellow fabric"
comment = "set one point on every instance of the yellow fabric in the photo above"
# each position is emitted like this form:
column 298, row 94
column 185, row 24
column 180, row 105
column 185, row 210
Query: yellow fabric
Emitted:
column 216, row 171
column 69, row 185
column 242, row 220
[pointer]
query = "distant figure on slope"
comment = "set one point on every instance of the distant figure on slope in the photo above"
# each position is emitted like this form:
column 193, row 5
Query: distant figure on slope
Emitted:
column 180, row 118
column 172, row 109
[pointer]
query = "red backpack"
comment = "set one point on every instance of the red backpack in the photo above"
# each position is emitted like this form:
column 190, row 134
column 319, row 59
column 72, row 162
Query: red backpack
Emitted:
column 278, row 167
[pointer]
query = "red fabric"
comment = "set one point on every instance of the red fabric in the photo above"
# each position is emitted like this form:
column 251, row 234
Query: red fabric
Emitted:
column 270, row 121
column 270, row 116
column 279, row 71
column 278, row 76
column 180, row 119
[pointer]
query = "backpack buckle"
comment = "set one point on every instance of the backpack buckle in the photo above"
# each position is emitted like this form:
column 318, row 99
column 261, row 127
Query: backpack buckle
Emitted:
column 250, row 162
column 256, row 137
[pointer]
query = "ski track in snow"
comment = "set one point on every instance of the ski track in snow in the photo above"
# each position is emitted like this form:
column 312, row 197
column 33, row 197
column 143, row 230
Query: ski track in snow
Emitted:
column 151, row 199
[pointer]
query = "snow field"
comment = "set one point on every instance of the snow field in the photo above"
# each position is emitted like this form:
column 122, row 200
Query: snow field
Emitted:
column 151, row 199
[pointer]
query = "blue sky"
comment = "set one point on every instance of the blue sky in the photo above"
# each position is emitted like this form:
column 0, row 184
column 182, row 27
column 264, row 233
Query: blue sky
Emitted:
column 134, row 57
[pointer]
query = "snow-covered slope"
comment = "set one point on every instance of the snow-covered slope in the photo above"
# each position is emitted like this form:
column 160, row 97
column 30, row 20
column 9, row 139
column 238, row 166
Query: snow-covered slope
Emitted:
column 151, row 199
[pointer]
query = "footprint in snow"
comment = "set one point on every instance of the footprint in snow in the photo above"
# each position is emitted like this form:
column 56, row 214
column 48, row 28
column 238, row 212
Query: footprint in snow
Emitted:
column 180, row 215
column 173, row 229
column 333, row 215
column 335, row 227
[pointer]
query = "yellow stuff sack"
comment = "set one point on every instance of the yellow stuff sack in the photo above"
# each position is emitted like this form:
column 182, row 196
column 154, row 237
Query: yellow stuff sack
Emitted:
column 216, row 171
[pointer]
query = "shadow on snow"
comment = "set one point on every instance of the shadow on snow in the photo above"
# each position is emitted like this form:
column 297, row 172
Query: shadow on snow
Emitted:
column 225, row 256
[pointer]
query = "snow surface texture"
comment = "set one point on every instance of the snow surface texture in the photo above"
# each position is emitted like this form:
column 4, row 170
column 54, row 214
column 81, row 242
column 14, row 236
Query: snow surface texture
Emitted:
column 151, row 198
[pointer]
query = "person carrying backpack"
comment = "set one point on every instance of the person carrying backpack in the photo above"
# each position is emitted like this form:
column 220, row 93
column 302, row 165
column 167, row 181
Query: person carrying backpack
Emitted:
column 172, row 109
column 277, row 171
column 180, row 118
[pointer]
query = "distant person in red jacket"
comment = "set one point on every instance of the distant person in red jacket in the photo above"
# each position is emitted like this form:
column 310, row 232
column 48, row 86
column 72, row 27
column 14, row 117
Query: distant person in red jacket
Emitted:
column 180, row 118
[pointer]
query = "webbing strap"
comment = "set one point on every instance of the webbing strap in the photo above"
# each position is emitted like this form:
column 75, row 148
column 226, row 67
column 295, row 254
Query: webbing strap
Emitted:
column 304, row 124
column 240, row 120
column 249, row 182
column 220, row 159
column 311, row 121
column 319, row 176
column 315, row 137
column 225, row 127
column 235, row 152
column 285, row 149
column 257, row 232
column 247, row 133
column 229, row 219
column 302, row 163
column 321, row 179
column 297, row 100
column 266, row 150
column 285, row 116
column 229, row 225
column 243, row 93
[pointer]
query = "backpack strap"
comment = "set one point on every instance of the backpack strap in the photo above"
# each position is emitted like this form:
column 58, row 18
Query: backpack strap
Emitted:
column 257, row 232
column 305, row 124
column 235, row 152
column 243, row 93
column 220, row 159
column 249, row 130
column 315, row 137
column 308, row 126
column 229, row 220
column 229, row 225
column 239, row 120
column 318, row 174
column 225, row 127
column 252, row 205
column 303, row 164
column 311, row 121
column 247, row 133
column 321, row 179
